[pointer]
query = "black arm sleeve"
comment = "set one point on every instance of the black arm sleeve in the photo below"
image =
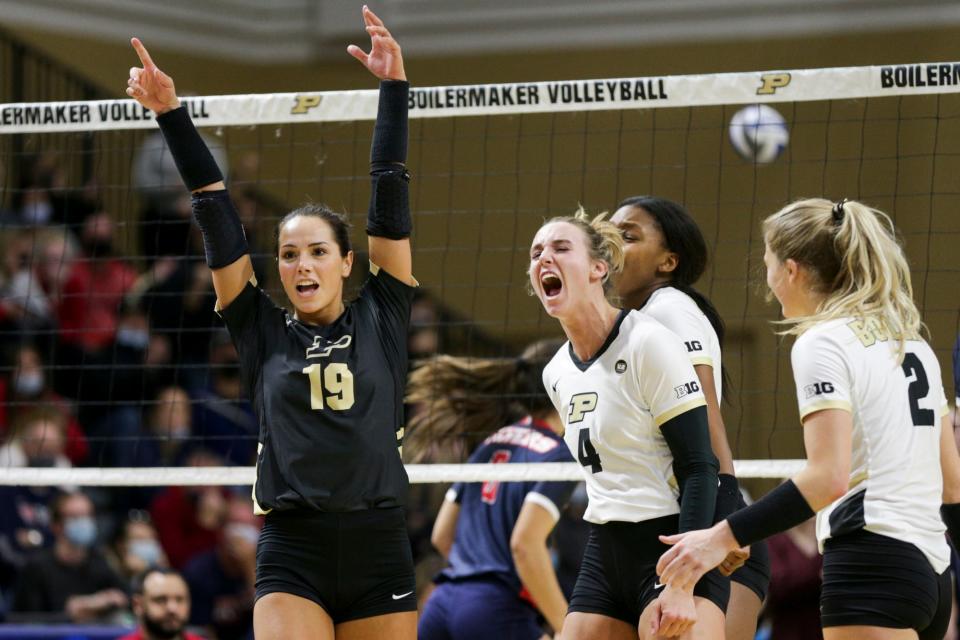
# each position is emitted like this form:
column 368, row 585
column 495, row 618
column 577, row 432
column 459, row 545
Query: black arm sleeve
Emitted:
column 190, row 153
column 728, row 496
column 389, row 213
column 695, row 467
column 950, row 513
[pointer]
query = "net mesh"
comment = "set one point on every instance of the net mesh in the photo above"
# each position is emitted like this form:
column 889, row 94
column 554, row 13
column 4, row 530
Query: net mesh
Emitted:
column 133, row 362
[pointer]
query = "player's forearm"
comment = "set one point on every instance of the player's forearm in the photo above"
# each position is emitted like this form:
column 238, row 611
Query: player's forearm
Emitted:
column 536, row 572
column 694, row 466
column 194, row 161
column 389, row 212
column 718, row 440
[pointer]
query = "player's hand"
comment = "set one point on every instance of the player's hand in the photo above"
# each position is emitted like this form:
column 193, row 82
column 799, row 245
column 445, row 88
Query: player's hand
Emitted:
column 384, row 59
column 148, row 85
column 734, row 560
column 674, row 612
column 693, row 554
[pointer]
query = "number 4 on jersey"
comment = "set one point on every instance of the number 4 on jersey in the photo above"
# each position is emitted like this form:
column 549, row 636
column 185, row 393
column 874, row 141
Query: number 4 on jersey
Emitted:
column 587, row 454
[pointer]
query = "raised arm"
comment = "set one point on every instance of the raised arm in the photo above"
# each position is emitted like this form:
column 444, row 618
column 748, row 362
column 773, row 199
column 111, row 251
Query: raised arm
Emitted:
column 224, row 241
column 388, row 219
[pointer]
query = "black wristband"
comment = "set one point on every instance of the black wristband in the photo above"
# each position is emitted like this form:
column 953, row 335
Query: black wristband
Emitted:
column 390, row 132
column 950, row 513
column 194, row 160
column 728, row 496
column 389, row 213
column 781, row 509
column 224, row 241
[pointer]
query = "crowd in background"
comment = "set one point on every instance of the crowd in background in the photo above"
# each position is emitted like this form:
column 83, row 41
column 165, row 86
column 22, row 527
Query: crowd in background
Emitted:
column 114, row 357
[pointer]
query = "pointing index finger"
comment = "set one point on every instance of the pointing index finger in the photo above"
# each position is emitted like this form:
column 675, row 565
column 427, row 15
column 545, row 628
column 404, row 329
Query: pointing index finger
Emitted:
column 142, row 53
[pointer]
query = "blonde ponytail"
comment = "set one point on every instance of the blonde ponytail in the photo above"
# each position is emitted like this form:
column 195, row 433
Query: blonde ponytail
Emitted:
column 857, row 263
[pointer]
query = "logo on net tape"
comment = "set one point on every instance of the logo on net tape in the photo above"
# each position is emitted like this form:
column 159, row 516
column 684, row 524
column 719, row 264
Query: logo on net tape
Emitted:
column 303, row 103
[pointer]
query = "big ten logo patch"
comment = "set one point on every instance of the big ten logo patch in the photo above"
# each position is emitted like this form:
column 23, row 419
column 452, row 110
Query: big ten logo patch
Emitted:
column 580, row 405
column 818, row 388
column 693, row 345
column 686, row 388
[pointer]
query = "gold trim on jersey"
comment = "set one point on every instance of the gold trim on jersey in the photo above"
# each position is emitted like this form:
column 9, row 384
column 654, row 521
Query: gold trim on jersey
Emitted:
column 707, row 360
column 857, row 479
column 825, row 404
column 375, row 269
column 945, row 411
column 682, row 408
column 257, row 509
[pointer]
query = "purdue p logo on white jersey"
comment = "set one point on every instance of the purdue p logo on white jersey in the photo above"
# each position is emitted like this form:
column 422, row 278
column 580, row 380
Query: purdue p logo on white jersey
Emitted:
column 580, row 405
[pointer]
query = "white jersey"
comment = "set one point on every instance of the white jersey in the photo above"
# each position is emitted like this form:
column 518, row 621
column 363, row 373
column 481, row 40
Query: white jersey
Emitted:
column 679, row 312
column 612, row 407
column 895, row 479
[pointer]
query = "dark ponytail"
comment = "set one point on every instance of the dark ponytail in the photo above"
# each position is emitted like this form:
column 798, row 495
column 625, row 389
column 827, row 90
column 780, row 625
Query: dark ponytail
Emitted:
column 684, row 238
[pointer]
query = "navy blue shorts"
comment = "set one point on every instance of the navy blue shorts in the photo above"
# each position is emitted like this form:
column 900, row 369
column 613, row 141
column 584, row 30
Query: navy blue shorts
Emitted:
column 878, row 581
column 477, row 609
column 356, row 564
column 618, row 576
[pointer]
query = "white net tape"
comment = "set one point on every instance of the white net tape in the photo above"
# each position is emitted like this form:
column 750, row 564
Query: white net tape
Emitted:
column 502, row 99
column 419, row 473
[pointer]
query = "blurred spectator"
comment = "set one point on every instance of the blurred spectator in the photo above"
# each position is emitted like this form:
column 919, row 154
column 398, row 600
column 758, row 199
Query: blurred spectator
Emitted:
column 47, row 197
column 796, row 571
column 37, row 439
column 166, row 217
column 179, row 300
column 189, row 519
column 161, row 603
column 136, row 548
column 88, row 307
column 222, row 579
column 72, row 581
column 24, row 305
column 166, row 439
column 28, row 388
column 122, row 375
column 223, row 419
column 423, row 339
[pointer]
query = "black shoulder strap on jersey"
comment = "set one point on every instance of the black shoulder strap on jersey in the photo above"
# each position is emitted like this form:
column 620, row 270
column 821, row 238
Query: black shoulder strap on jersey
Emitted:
column 694, row 465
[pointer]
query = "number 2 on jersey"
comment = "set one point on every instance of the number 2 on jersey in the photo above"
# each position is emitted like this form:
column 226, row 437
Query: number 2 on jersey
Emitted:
column 919, row 388
column 337, row 379
column 586, row 452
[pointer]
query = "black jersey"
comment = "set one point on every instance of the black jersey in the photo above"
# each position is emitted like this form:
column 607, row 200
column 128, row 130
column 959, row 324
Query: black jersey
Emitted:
column 329, row 399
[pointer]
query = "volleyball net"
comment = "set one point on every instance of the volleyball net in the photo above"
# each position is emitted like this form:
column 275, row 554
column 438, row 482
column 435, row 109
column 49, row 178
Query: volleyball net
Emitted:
column 106, row 321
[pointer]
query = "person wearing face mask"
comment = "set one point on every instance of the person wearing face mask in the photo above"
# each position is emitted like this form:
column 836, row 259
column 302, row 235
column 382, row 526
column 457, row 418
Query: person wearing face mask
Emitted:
column 70, row 581
column 136, row 547
column 25, row 390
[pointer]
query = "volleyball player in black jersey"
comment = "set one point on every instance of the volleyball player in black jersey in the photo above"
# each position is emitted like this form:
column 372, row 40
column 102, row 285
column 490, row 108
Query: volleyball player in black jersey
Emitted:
column 326, row 381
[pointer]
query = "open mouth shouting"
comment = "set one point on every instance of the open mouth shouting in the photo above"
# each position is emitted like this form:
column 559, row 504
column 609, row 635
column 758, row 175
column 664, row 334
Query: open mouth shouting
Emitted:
column 551, row 284
column 307, row 288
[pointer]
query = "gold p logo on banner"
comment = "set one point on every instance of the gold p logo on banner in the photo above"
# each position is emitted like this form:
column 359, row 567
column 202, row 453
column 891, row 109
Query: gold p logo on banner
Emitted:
column 303, row 104
column 770, row 82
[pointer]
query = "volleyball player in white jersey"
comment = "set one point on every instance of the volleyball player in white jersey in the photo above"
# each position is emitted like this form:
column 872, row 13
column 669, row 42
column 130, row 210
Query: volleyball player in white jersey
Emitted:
column 881, row 458
column 664, row 255
column 635, row 419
